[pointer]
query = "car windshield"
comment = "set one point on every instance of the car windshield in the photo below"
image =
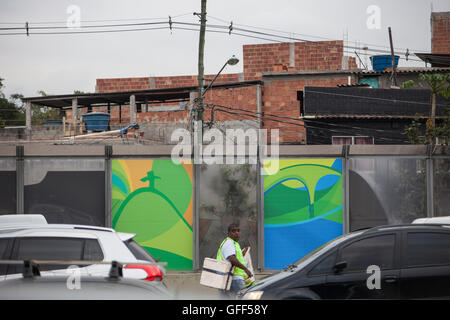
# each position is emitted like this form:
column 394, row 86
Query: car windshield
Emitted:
column 324, row 248
column 139, row 252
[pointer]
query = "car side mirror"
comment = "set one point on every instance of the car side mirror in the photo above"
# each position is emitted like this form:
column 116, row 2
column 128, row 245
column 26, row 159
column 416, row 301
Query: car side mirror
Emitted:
column 338, row 267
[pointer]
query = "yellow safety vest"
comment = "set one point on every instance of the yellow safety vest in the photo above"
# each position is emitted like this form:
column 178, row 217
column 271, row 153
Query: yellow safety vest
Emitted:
column 239, row 256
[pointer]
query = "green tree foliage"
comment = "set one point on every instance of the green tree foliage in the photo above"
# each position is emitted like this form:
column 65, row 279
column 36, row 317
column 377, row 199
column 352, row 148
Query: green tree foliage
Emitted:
column 10, row 113
column 416, row 132
column 12, row 110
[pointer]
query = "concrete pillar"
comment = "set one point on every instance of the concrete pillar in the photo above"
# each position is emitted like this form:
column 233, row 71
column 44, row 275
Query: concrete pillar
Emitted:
column 430, row 182
column 132, row 108
column 28, row 120
column 292, row 54
column 74, row 114
column 20, row 180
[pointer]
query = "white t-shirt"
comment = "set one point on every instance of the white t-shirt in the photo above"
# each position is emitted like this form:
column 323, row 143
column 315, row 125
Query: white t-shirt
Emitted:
column 228, row 249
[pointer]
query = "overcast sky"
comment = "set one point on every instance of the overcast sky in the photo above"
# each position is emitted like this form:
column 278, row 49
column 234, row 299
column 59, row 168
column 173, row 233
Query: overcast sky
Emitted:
column 60, row 64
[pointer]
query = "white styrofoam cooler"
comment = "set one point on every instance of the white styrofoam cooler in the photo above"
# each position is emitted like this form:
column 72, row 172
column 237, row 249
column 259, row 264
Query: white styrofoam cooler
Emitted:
column 216, row 274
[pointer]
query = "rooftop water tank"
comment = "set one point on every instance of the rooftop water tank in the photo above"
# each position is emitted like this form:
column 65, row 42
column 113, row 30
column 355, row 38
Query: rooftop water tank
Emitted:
column 96, row 121
column 381, row 62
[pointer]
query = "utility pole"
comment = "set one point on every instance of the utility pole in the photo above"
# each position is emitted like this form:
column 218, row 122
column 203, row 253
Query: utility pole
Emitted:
column 198, row 137
column 393, row 75
column 201, row 49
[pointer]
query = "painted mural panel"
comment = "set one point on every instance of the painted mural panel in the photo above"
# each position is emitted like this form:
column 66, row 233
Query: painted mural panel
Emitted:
column 302, row 208
column 154, row 199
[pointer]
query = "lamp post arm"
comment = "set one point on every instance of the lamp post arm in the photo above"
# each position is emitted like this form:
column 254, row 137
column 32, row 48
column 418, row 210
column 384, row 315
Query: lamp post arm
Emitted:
column 210, row 85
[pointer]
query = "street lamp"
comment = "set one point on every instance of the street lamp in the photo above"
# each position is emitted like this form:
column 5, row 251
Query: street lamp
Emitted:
column 232, row 61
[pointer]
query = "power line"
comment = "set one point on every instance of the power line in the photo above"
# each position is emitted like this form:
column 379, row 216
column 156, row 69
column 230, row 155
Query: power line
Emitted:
column 28, row 28
column 87, row 32
column 280, row 119
column 296, row 33
column 84, row 27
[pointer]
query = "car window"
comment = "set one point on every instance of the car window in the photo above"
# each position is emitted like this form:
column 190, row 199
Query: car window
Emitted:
column 427, row 248
column 55, row 248
column 310, row 257
column 3, row 255
column 378, row 250
column 92, row 250
column 3, row 246
column 139, row 252
column 324, row 266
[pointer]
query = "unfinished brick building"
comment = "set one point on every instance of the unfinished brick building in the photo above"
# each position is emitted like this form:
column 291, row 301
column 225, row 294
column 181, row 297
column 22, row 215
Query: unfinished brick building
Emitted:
column 265, row 95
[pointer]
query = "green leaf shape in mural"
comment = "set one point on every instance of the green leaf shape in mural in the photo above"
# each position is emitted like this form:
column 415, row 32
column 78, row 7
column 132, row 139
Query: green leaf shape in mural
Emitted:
column 308, row 174
column 281, row 204
column 328, row 200
column 175, row 183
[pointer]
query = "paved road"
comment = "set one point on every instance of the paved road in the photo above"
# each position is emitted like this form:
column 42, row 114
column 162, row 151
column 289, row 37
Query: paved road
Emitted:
column 186, row 286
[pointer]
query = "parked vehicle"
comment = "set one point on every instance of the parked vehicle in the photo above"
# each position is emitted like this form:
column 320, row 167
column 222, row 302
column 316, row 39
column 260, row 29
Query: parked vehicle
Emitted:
column 31, row 285
column 389, row 262
column 434, row 220
column 26, row 237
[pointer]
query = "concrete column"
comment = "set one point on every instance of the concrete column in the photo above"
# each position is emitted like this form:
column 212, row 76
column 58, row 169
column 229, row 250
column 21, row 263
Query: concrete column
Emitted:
column 28, row 120
column 430, row 182
column 74, row 115
column 108, row 186
column 20, row 180
column 292, row 54
column 259, row 105
column 346, row 188
column 132, row 108
column 196, row 172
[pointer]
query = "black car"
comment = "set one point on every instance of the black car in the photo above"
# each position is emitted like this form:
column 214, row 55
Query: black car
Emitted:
column 389, row 262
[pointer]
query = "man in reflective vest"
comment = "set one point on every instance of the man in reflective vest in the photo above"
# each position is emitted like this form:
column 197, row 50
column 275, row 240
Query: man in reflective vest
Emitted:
column 230, row 251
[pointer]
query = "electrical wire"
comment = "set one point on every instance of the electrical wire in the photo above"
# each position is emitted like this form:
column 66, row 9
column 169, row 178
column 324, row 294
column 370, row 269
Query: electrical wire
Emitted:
column 259, row 35
column 268, row 117
column 86, row 32
column 307, row 35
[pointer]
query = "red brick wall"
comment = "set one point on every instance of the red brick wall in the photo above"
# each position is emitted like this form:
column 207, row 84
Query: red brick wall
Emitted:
column 280, row 99
column 122, row 84
column 258, row 58
column 275, row 57
column 243, row 98
column 440, row 28
column 131, row 84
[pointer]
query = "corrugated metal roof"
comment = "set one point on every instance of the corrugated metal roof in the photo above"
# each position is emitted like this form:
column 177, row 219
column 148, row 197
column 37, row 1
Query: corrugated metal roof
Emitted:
column 405, row 70
column 366, row 116
column 363, row 85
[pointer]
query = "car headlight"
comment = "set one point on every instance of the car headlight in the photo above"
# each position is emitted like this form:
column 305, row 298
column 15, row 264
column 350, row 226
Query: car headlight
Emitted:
column 253, row 295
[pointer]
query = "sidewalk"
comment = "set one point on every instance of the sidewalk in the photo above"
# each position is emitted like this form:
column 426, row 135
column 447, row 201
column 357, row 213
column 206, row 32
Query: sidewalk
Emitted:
column 186, row 285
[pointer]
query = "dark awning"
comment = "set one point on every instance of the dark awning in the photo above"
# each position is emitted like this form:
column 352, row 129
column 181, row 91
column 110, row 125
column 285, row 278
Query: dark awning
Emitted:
column 123, row 97
column 370, row 103
column 436, row 60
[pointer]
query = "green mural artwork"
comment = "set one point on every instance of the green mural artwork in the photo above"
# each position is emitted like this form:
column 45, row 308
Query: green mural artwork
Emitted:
column 302, row 208
column 153, row 199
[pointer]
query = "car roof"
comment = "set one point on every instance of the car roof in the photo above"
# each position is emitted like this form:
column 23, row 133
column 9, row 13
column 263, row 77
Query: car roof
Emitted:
column 433, row 220
column 416, row 226
column 26, row 224
column 91, row 288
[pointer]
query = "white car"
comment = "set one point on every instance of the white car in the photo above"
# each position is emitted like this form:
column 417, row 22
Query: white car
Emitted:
column 30, row 237
column 434, row 220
